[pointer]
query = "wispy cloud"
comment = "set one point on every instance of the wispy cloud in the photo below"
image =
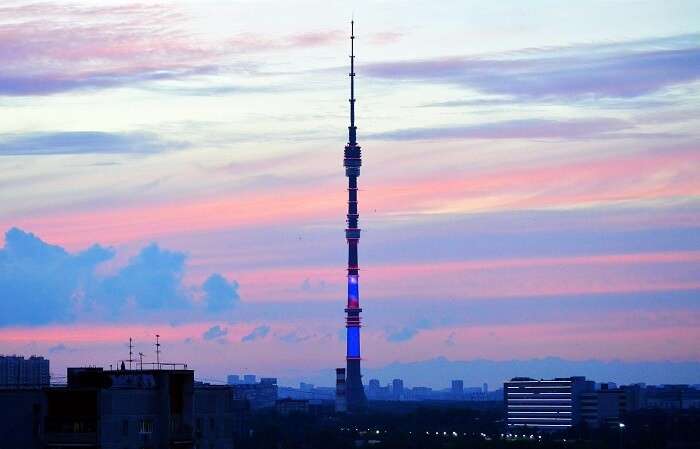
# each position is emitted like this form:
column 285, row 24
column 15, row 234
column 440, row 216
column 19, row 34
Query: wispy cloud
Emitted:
column 254, row 42
column 625, row 70
column 512, row 129
column 78, row 47
column 83, row 142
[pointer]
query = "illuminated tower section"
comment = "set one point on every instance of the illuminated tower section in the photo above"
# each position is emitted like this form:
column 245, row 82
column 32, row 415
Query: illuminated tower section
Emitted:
column 356, row 400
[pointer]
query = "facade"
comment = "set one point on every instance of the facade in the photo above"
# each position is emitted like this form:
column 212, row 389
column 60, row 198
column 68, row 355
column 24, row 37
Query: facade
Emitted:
column 397, row 389
column 260, row 395
column 16, row 371
column 603, row 407
column 355, row 393
column 249, row 378
column 287, row 406
column 544, row 404
column 457, row 388
column 671, row 397
column 220, row 421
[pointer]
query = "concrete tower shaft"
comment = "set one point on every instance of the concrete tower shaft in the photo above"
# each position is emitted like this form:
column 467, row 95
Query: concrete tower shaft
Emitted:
column 355, row 393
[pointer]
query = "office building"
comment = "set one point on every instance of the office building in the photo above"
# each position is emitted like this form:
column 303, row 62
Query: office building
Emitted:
column 544, row 404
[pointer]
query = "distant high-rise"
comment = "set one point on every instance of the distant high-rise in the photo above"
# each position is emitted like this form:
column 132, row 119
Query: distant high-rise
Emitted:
column 457, row 387
column 397, row 388
column 355, row 393
column 16, row 371
column 233, row 379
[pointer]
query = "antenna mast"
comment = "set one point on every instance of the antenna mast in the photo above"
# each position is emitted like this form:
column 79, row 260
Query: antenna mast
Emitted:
column 353, row 135
column 157, row 351
column 131, row 352
column 141, row 360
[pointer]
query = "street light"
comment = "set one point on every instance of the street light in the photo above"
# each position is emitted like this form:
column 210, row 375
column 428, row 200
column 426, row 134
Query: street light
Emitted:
column 621, row 426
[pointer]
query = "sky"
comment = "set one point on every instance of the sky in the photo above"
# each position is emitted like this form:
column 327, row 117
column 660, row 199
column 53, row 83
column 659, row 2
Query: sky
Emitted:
column 529, row 187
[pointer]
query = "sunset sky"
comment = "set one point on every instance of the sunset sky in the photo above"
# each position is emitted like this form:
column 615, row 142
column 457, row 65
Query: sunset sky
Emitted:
column 530, row 183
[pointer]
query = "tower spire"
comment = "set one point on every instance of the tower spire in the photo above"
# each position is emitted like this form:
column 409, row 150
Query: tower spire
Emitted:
column 352, row 138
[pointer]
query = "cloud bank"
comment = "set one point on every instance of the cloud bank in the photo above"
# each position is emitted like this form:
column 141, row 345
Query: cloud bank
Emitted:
column 42, row 283
column 624, row 70
column 82, row 142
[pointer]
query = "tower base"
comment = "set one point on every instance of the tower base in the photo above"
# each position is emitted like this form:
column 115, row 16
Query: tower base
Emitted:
column 354, row 390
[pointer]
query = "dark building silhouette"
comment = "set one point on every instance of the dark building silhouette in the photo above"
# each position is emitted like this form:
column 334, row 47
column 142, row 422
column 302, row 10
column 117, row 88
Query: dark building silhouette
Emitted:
column 354, row 393
column 123, row 409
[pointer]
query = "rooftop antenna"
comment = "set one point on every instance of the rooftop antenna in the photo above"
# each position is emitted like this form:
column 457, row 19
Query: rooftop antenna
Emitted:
column 157, row 351
column 141, row 360
column 131, row 352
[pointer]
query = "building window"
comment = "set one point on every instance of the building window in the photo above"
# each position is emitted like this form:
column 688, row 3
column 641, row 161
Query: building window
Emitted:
column 145, row 426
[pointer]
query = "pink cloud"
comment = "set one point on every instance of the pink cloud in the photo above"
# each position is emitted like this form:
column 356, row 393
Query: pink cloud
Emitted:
column 72, row 47
column 621, row 338
column 606, row 180
column 255, row 42
column 475, row 279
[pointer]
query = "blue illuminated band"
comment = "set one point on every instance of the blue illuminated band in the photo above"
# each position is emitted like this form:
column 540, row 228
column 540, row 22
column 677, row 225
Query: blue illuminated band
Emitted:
column 353, row 292
column 353, row 343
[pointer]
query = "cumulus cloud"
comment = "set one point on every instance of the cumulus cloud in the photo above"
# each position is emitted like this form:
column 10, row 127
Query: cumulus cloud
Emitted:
column 42, row 283
column 152, row 280
column 84, row 142
column 215, row 332
column 257, row 333
column 220, row 295
column 609, row 70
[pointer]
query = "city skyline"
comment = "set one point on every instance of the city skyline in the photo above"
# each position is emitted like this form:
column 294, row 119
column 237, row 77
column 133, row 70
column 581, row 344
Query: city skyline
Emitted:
column 530, row 191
